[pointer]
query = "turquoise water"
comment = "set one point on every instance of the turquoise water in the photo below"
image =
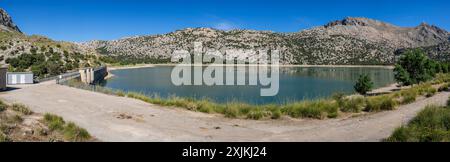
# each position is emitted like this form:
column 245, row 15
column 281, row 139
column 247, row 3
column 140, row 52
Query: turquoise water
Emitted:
column 296, row 83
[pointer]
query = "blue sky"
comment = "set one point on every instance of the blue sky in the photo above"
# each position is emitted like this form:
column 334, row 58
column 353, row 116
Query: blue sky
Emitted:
column 84, row 20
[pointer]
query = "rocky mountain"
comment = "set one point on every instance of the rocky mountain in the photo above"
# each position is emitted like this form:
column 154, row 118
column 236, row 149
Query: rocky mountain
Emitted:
column 6, row 22
column 347, row 41
column 362, row 41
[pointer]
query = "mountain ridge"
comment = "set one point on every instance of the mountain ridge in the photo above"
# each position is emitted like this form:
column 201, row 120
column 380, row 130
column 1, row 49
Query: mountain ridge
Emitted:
column 6, row 22
column 348, row 41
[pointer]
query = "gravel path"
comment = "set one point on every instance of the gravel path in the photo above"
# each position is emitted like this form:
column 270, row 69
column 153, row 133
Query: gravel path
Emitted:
column 111, row 118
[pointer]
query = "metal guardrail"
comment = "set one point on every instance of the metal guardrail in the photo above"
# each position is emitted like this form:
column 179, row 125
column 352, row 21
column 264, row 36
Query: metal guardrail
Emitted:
column 66, row 77
column 72, row 75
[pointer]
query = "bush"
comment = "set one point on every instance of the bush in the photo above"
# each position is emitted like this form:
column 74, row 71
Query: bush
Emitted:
column 276, row 114
column 54, row 122
column 415, row 67
column 74, row 133
column 409, row 95
column 443, row 87
column 207, row 107
column 257, row 114
column 354, row 104
column 431, row 92
column 430, row 125
column 231, row 110
column 380, row 103
column 22, row 109
column 4, row 138
column 120, row 93
column 363, row 85
column 3, row 106
column 339, row 98
column 313, row 109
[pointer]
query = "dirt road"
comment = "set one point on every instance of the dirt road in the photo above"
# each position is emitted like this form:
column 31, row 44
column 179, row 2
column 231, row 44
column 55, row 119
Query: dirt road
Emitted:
column 111, row 118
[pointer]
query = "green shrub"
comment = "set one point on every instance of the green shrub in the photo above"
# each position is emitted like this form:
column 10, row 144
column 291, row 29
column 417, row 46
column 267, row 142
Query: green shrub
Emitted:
column 231, row 110
column 3, row 106
column 402, row 134
column 354, row 104
column 409, row 95
column 363, row 85
column 206, row 107
column 4, row 138
column 22, row 109
column 339, row 98
column 312, row 109
column 430, row 125
column 256, row 114
column 444, row 87
column 380, row 103
column 120, row 93
column 431, row 92
column 276, row 114
column 408, row 99
column 74, row 133
column 415, row 67
column 423, row 89
column 433, row 117
column 54, row 122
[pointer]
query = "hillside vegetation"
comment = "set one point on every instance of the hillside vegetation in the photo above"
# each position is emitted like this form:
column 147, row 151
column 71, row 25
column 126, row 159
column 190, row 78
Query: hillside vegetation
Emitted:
column 41, row 55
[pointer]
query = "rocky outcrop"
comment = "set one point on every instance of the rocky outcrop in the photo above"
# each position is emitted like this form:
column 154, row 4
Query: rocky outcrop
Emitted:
column 6, row 22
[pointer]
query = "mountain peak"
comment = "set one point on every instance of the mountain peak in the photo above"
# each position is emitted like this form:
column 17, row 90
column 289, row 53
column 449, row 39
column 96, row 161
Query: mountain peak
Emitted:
column 434, row 31
column 358, row 21
column 6, row 22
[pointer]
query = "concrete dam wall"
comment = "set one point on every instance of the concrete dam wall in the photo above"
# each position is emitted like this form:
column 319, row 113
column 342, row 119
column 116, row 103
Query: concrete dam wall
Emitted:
column 86, row 75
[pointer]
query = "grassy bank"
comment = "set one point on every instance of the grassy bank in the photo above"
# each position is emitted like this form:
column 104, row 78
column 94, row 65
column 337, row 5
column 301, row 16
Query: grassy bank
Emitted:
column 430, row 125
column 315, row 109
column 19, row 124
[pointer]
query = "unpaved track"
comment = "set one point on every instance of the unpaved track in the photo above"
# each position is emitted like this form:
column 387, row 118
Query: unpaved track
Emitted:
column 108, row 118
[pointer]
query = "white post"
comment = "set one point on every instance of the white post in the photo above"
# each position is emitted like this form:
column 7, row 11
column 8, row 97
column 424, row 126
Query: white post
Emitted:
column 88, row 76
column 83, row 75
column 92, row 76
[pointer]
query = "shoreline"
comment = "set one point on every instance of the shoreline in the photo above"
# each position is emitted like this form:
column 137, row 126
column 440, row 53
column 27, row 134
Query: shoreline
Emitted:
column 112, row 68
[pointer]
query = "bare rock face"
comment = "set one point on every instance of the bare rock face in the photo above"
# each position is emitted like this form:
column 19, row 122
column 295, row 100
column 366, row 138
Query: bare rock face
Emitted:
column 6, row 22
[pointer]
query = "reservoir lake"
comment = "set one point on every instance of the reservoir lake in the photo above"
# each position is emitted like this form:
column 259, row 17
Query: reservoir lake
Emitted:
column 295, row 83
